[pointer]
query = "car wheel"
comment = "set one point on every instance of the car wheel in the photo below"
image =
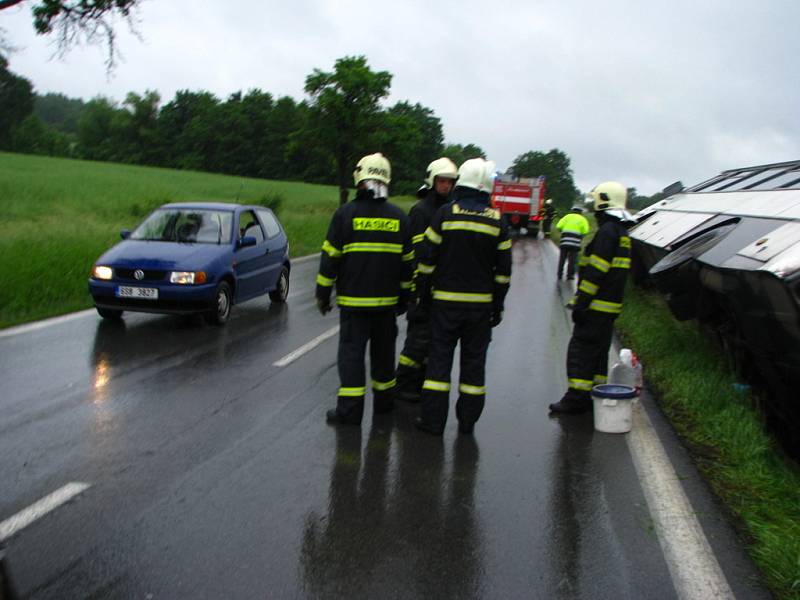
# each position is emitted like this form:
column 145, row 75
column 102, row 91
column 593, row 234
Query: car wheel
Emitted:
column 221, row 309
column 109, row 313
column 281, row 290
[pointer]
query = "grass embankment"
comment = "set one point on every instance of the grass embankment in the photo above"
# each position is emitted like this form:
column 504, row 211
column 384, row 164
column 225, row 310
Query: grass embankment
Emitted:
column 59, row 215
column 694, row 385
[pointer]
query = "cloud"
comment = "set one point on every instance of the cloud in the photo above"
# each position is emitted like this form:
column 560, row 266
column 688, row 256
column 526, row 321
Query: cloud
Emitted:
column 646, row 93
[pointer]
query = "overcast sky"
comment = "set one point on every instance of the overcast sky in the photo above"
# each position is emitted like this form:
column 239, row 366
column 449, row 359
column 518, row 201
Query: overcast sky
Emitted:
column 643, row 92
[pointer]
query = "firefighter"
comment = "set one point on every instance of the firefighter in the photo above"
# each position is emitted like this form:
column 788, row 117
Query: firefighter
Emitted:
column 573, row 226
column 548, row 213
column 439, row 180
column 603, row 270
column 368, row 255
column 462, row 279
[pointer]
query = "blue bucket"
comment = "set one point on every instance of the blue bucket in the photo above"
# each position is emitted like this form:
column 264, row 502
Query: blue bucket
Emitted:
column 614, row 391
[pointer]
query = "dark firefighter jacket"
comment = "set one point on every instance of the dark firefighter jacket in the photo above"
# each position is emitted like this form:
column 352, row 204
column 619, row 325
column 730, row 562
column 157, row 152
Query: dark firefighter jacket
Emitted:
column 604, row 269
column 466, row 258
column 420, row 217
column 367, row 253
column 547, row 212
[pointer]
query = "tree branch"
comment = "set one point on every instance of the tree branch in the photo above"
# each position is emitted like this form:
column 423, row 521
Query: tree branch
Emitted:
column 9, row 3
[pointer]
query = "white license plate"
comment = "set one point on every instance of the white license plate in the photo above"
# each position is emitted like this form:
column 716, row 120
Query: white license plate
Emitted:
column 125, row 291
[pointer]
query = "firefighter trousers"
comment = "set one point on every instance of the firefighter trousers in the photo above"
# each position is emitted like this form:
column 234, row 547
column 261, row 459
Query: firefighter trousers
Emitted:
column 379, row 328
column 414, row 358
column 472, row 327
column 567, row 255
column 587, row 354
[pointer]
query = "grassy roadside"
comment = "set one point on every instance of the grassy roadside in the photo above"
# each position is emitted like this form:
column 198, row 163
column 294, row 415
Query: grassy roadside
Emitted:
column 695, row 388
column 59, row 215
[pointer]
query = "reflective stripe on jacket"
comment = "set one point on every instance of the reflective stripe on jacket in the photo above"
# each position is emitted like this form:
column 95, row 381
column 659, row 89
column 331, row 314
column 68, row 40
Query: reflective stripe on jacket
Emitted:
column 605, row 263
column 367, row 254
column 573, row 227
column 466, row 259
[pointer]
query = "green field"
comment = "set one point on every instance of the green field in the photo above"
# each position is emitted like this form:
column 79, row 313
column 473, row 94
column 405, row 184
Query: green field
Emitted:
column 59, row 215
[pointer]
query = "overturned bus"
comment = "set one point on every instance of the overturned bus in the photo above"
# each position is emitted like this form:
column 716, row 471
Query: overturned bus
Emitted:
column 727, row 253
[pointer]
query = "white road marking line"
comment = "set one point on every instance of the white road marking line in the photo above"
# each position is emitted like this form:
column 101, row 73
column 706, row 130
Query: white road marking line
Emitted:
column 305, row 258
column 293, row 356
column 40, row 508
column 695, row 572
column 28, row 327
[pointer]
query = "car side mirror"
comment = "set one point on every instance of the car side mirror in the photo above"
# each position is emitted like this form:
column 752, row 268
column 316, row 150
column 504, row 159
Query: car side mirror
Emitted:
column 125, row 234
column 246, row 241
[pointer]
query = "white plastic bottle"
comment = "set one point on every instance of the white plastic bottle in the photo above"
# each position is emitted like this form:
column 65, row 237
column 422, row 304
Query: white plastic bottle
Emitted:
column 627, row 370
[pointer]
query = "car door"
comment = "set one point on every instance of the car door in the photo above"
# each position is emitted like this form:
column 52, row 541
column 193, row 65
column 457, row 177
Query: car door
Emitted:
column 277, row 244
column 252, row 262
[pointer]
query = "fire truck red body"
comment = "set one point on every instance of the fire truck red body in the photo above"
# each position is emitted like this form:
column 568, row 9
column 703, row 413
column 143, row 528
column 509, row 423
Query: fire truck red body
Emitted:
column 519, row 200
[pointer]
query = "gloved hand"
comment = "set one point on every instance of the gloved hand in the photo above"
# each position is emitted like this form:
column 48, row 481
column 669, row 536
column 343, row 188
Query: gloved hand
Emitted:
column 496, row 318
column 324, row 306
column 578, row 316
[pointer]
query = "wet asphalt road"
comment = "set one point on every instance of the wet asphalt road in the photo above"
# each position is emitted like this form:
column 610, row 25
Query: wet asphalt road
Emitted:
column 214, row 475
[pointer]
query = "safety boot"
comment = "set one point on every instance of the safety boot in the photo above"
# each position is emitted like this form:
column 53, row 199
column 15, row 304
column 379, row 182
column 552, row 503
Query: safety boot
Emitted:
column 571, row 406
column 423, row 425
column 334, row 418
column 466, row 428
column 409, row 395
column 382, row 407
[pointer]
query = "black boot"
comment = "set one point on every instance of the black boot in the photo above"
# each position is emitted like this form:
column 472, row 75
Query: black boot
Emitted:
column 571, row 406
column 423, row 425
column 408, row 395
column 334, row 418
column 383, row 407
column 466, row 428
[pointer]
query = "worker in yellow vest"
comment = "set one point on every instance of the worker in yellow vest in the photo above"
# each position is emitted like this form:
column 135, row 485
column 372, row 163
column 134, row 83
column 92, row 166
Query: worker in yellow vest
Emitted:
column 573, row 226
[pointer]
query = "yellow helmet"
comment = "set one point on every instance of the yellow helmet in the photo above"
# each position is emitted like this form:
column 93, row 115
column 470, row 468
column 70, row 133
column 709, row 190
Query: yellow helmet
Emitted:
column 478, row 174
column 441, row 167
column 609, row 195
column 373, row 166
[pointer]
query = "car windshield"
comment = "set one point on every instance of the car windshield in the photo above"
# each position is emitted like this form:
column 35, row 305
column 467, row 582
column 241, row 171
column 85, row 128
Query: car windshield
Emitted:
column 186, row 225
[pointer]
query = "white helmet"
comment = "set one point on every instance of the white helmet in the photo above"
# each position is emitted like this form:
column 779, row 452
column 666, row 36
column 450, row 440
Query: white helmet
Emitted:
column 478, row 174
column 373, row 166
column 611, row 197
column 441, row 167
column 548, row 201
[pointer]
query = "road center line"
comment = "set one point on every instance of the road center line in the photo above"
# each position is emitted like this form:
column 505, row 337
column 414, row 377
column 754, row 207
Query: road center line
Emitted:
column 40, row 508
column 293, row 356
column 695, row 572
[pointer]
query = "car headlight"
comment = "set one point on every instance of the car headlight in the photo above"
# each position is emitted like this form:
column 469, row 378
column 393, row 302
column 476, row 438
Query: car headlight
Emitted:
column 101, row 272
column 187, row 277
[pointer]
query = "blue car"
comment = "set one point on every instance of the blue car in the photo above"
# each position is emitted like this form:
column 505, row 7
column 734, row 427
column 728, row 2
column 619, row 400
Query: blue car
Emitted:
column 198, row 257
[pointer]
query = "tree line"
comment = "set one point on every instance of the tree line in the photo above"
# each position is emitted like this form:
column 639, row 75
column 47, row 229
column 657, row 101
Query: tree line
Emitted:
column 253, row 134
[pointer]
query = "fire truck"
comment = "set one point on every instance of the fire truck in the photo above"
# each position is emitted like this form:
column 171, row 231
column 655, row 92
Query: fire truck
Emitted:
column 519, row 199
